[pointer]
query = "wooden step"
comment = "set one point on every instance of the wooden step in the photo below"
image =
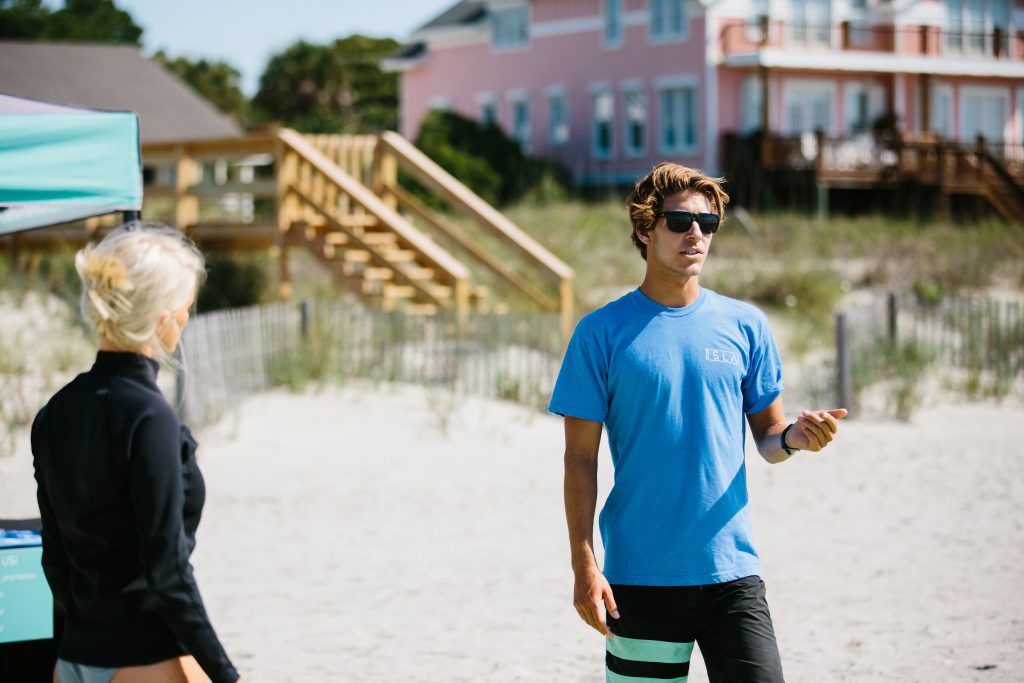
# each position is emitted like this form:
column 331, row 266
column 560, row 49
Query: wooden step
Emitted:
column 328, row 251
column 399, row 291
column 383, row 273
column 398, row 255
column 379, row 239
column 352, row 269
column 372, row 287
column 479, row 293
column 417, row 273
column 356, row 220
column 357, row 256
column 440, row 291
column 336, row 238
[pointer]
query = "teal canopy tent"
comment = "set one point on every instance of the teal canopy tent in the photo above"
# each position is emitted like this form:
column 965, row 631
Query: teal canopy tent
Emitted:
column 60, row 163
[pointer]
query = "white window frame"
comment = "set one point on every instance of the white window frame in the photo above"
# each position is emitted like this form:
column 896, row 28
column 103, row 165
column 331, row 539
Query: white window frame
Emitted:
column 801, row 87
column 630, row 88
column 959, row 33
column 596, row 90
column 484, row 101
column 941, row 91
column 442, row 102
column 509, row 43
column 671, row 83
column 613, row 42
column 663, row 35
column 809, row 31
column 966, row 91
column 558, row 92
column 751, row 93
column 523, row 137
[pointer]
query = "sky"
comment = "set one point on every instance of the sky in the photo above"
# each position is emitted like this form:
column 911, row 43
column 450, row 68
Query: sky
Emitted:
column 245, row 33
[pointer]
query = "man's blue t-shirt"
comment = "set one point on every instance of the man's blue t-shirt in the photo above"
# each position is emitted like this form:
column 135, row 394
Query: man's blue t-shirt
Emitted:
column 672, row 386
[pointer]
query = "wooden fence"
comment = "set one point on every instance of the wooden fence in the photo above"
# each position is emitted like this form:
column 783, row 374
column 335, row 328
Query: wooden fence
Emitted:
column 231, row 354
column 979, row 335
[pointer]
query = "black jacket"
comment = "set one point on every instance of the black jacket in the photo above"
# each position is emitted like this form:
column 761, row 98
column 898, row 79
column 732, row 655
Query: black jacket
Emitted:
column 120, row 496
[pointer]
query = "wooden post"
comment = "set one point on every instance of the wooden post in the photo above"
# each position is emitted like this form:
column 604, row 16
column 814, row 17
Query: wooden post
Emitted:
column 997, row 42
column 384, row 176
column 460, row 294
column 940, row 181
column 926, row 102
column 844, row 378
column 287, row 163
column 187, row 174
column 844, row 32
column 892, row 313
column 565, row 298
column 305, row 317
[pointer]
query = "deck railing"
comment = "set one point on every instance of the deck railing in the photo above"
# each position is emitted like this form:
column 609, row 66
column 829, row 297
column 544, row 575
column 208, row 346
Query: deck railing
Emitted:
column 738, row 37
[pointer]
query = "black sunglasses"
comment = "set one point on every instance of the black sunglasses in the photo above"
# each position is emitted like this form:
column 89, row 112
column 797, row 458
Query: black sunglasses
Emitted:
column 680, row 221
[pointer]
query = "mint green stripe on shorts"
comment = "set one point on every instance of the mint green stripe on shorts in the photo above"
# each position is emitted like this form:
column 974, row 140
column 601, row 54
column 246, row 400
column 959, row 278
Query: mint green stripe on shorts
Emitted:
column 633, row 660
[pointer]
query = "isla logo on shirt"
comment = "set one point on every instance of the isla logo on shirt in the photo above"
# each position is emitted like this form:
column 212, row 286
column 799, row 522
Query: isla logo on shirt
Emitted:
column 719, row 356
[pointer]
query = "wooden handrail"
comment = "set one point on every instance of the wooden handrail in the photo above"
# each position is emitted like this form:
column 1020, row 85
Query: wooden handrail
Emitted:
column 427, row 171
column 410, row 202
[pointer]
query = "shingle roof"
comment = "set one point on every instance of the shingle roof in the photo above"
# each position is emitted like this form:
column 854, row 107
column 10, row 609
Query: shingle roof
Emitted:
column 459, row 14
column 112, row 77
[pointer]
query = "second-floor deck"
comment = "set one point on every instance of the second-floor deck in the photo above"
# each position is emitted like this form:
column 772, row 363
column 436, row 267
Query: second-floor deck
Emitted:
column 748, row 42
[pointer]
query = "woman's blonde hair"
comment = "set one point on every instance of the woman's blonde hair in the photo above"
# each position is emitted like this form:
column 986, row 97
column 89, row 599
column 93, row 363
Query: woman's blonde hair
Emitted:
column 664, row 180
column 134, row 274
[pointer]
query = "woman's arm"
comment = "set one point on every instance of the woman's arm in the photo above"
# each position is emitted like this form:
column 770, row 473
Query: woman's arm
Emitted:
column 157, row 491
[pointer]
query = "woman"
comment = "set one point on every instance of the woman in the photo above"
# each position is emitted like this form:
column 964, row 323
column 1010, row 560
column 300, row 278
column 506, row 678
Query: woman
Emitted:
column 119, row 491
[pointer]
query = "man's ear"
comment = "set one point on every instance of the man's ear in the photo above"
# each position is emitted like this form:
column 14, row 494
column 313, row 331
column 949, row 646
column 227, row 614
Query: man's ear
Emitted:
column 642, row 235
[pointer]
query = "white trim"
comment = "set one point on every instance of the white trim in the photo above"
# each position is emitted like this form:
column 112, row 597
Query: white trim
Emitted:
column 517, row 95
column 556, row 89
column 566, row 27
column 878, row 63
column 676, row 81
column 518, row 47
column 632, row 84
column 487, row 97
column 598, row 86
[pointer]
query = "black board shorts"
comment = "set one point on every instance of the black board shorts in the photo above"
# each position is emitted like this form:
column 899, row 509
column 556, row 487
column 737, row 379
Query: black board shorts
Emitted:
column 658, row 626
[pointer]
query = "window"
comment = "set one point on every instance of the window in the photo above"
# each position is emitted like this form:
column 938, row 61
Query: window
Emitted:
column 863, row 104
column 755, row 26
column 811, row 23
column 668, row 20
column 613, row 23
column 984, row 111
column 558, row 118
column 941, row 110
column 510, row 27
column 751, row 95
column 488, row 112
column 678, row 120
column 635, row 136
column 604, row 122
column 971, row 25
column 807, row 107
column 521, row 120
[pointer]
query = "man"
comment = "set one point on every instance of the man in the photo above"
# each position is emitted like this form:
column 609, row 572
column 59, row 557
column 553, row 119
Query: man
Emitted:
column 671, row 369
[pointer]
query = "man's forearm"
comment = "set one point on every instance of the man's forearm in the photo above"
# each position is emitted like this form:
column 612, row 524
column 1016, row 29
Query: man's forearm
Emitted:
column 580, row 503
column 770, row 445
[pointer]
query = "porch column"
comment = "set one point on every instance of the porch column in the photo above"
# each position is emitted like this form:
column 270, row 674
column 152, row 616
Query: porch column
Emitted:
column 925, row 102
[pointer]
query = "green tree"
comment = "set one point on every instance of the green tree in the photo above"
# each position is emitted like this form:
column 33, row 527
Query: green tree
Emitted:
column 335, row 88
column 99, row 21
column 218, row 82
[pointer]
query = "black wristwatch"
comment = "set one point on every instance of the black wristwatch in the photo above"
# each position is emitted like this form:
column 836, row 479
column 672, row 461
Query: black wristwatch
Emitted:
column 789, row 451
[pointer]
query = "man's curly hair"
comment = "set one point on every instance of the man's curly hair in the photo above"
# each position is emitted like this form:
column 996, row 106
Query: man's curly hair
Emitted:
column 667, row 179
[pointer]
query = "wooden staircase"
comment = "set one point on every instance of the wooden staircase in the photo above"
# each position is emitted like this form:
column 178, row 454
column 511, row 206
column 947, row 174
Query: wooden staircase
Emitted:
column 339, row 198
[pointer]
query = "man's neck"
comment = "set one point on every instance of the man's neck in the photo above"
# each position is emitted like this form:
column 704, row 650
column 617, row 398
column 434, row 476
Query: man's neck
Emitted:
column 673, row 292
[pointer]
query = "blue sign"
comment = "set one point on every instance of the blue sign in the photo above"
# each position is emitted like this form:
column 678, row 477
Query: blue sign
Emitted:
column 26, row 604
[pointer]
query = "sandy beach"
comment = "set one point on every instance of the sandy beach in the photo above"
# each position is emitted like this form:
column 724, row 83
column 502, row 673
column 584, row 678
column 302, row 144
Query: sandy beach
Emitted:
column 393, row 533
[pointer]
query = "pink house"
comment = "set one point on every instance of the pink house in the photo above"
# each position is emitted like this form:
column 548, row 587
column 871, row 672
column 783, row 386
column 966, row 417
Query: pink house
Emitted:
column 612, row 86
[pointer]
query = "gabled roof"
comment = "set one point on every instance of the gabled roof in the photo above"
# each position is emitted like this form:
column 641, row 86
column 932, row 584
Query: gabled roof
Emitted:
column 112, row 77
column 460, row 14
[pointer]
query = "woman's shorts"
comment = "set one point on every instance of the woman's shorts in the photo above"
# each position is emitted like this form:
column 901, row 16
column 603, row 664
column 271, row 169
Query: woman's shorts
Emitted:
column 69, row 672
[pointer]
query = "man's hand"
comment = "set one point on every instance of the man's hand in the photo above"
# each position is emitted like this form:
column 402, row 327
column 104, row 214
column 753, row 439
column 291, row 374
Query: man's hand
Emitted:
column 815, row 429
column 590, row 591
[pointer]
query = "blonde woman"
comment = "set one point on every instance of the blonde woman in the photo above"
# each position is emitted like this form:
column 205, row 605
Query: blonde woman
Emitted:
column 119, row 491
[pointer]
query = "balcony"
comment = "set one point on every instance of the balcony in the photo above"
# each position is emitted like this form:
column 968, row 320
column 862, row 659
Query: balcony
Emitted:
column 741, row 39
